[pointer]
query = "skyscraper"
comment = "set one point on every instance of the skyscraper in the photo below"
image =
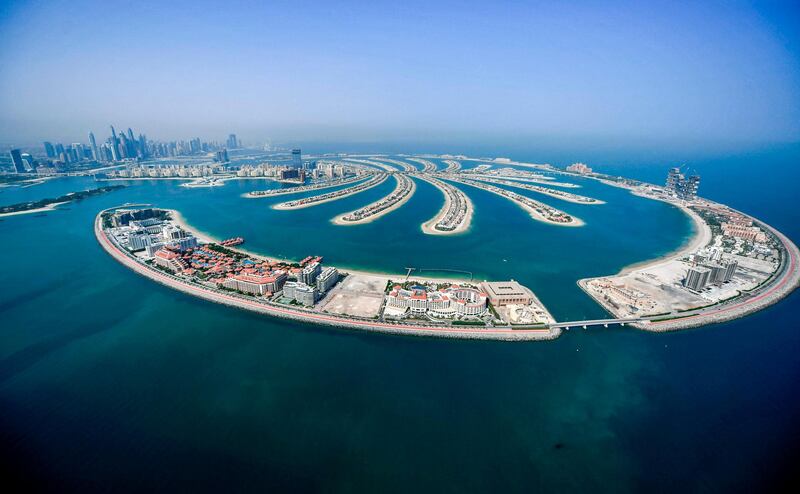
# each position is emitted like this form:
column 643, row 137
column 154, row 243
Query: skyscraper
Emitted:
column 233, row 143
column 674, row 178
column 16, row 158
column 681, row 186
column 114, row 145
column 124, row 149
column 132, row 144
column 143, row 146
column 689, row 188
column 696, row 278
column 93, row 144
column 49, row 150
column 28, row 162
column 80, row 155
column 297, row 160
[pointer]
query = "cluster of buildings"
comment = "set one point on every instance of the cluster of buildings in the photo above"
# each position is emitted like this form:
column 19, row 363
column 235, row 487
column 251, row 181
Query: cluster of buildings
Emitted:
column 579, row 168
column 332, row 169
column 547, row 212
column 168, row 171
column 298, row 203
column 682, row 186
column 119, row 146
column 709, row 268
column 515, row 301
column 742, row 227
column 150, row 234
column 457, row 209
column 449, row 302
column 621, row 296
column 278, row 172
column 146, row 230
column 404, row 188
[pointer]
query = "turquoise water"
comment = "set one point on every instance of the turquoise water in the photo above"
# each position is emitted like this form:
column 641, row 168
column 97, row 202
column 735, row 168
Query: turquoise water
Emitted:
column 110, row 381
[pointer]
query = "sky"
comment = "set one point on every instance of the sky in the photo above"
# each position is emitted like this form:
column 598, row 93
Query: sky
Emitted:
column 718, row 74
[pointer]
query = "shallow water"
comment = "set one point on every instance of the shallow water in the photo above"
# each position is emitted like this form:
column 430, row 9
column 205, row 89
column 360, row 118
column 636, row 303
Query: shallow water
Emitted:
column 108, row 380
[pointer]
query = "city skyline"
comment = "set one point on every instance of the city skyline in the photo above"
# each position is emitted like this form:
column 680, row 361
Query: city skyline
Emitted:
column 592, row 73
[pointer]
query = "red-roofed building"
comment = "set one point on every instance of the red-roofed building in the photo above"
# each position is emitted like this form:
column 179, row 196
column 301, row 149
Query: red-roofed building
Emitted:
column 170, row 260
column 256, row 284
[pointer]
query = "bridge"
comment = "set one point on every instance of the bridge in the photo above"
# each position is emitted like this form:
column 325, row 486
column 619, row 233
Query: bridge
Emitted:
column 595, row 322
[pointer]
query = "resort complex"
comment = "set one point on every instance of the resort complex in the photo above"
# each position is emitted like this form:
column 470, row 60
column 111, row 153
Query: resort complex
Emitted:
column 158, row 244
column 733, row 265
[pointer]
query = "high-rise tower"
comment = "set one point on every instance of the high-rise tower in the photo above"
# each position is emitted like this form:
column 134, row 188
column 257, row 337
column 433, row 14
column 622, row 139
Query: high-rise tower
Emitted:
column 297, row 159
column 114, row 145
column 93, row 144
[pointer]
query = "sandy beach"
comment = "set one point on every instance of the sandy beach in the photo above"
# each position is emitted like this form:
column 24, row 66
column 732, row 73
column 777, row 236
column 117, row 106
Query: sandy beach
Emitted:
column 49, row 207
column 428, row 226
column 339, row 220
column 205, row 237
column 533, row 213
column 315, row 317
column 282, row 192
column 699, row 239
column 555, row 194
column 350, row 191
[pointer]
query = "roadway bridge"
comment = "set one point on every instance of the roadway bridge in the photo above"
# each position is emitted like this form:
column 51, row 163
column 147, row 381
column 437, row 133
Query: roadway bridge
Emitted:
column 596, row 322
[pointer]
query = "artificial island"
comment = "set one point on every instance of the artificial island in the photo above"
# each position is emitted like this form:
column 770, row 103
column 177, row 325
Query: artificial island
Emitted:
column 733, row 265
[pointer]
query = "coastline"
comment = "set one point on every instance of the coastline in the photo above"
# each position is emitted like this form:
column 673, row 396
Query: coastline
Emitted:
column 576, row 222
column 339, row 220
column 44, row 209
column 573, row 198
column 313, row 317
column 463, row 227
column 700, row 237
column 280, row 206
column 202, row 236
column 283, row 192
column 785, row 280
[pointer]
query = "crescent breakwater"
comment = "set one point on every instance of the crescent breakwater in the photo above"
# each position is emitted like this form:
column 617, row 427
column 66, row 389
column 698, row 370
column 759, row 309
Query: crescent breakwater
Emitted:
column 558, row 194
column 538, row 211
column 402, row 193
column 129, row 260
column 333, row 196
column 456, row 214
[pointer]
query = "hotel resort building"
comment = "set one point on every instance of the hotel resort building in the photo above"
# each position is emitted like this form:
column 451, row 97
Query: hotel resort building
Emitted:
column 448, row 302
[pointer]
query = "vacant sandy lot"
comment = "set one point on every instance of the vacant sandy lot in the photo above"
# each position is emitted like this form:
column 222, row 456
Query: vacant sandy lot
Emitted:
column 356, row 295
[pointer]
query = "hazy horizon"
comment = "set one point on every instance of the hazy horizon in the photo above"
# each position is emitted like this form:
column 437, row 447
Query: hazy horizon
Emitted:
column 714, row 76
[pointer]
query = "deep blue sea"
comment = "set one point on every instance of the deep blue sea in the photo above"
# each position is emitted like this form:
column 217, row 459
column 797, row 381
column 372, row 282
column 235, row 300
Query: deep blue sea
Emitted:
column 111, row 382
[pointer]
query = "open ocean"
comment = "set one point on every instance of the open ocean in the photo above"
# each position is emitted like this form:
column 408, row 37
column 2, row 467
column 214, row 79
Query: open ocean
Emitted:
column 109, row 381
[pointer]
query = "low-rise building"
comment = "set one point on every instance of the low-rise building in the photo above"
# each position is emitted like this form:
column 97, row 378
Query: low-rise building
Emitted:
column 507, row 292
column 448, row 302
column 169, row 259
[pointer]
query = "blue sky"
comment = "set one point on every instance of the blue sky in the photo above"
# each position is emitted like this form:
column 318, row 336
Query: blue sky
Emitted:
column 717, row 73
